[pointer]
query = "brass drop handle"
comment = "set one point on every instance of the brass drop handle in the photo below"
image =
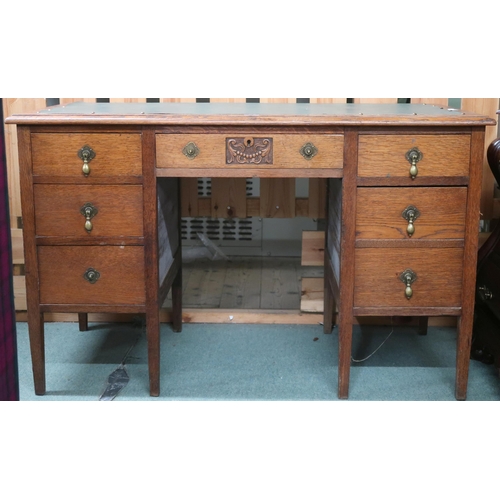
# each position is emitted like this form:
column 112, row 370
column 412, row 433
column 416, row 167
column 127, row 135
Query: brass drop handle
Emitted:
column 191, row 150
column 86, row 168
column 89, row 212
column 408, row 277
column 410, row 213
column 91, row 275
column 86, row 154
column 414, row 155
column 308, row 150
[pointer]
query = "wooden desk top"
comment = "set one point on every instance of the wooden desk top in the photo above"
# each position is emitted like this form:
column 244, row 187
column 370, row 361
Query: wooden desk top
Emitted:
column 80, row 113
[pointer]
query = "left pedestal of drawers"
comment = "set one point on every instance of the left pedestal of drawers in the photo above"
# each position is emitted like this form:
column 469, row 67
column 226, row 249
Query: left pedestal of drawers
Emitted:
column 84, row 199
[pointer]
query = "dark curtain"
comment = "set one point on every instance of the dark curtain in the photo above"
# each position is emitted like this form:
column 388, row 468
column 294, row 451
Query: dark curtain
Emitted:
column 9, row 381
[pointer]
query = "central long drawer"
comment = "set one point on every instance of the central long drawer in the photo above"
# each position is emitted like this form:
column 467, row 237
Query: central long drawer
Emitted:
column 295, row 151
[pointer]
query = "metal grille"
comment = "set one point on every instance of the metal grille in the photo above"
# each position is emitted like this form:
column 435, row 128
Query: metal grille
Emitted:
column 218, row 229
column 204, row 186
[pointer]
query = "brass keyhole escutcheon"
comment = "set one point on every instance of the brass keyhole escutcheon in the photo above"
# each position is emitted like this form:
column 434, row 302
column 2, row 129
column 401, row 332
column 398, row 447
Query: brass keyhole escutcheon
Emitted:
column 410, row 213
column 86, row 154
column 89, row 212
column 191, row 150
column 248, row 141
column 308, row 150
column 408, row 277
column 91, row 275
column 414, row 155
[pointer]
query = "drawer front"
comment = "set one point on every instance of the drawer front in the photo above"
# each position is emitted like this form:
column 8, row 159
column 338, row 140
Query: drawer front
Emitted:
column 113, row 210
column 115, row 154
column 378, row 270
column 62, row 270
column 250, row 151
column 385, row 155
column 386, row 213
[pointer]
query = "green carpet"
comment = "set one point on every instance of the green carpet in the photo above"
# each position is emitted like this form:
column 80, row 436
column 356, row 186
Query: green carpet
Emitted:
column 251, row 363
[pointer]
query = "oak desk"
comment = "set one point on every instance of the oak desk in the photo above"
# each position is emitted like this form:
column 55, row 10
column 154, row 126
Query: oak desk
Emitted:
column 100, row 200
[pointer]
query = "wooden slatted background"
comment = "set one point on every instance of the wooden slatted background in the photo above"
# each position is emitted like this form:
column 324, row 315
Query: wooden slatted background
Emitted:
column 274, row 192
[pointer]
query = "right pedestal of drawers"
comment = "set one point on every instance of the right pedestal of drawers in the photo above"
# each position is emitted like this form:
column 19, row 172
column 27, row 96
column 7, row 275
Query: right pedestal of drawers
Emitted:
column 407, row 245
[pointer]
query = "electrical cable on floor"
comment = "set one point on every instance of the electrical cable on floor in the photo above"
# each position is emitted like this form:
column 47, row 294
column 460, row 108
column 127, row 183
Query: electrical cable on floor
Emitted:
column 119, row 378
column 369, row 356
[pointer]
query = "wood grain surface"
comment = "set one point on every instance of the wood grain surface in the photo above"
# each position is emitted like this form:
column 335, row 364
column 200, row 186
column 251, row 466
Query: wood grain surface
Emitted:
column 212, row 151
column 277, row 197
column 62, row 269
column 313, row 248
column 229, row 197
column 435, row 101
column 11, row 106
column 58, row 210
column 116, row 154
column 438, row 284
column 312, row 295
column 469, row 268
column 347, row 238
column 443, row 155
column 35, row 315
column 317, row 198
column 442, row 212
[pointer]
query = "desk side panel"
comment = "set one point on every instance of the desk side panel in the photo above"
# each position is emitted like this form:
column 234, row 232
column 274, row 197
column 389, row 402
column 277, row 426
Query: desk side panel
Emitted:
column 168, row 224
column 334, row 225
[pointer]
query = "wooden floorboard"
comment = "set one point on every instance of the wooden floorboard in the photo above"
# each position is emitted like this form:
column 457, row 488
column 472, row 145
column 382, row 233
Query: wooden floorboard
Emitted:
column 280, row 284
column 204, row 285
column 242, row 284
column 268, row 283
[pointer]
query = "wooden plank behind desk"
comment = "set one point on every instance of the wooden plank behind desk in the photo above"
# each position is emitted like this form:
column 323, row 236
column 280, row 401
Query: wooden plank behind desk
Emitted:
column 229, row 197
column 11, row 106
column 436, row 101
column 277, row 197
column 177, row 99
column 327, row 100
column 487, row 107
column 227, row 99
column 127, row 99
column 376, row 100
column 68, row 100
column 278, row 100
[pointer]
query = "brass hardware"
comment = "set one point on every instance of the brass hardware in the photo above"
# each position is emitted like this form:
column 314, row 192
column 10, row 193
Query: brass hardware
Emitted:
column 246, row 150
column 191, row 150
column 408, row 277
column 308, row 150
column 91, row 275
column 86, row 154
column 88, row 211
column 414, row 155
column 485, row 293
column 410, row 213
